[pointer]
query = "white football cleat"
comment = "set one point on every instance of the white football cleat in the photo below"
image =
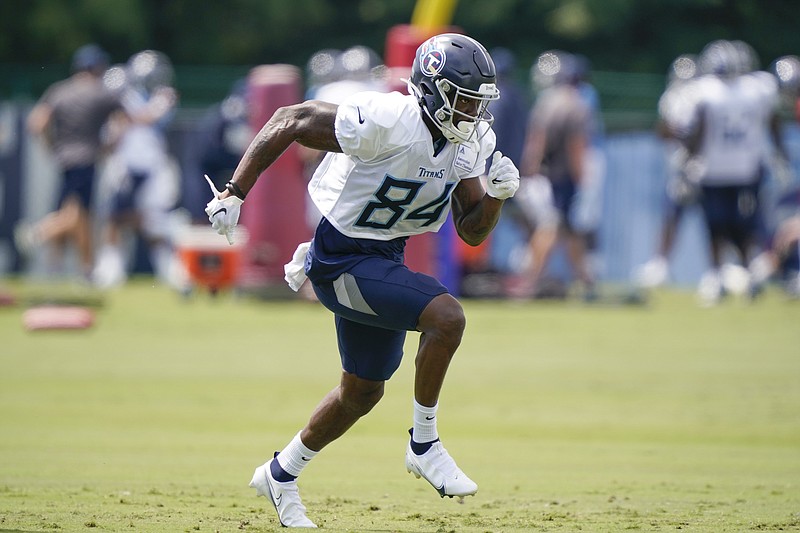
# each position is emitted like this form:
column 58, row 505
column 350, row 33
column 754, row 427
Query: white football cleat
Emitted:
column 652, row 274
column 285, row 497
column 441, row 471
column 710, row 290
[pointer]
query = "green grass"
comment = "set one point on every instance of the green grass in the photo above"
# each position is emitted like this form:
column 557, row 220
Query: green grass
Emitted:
column 570, row 418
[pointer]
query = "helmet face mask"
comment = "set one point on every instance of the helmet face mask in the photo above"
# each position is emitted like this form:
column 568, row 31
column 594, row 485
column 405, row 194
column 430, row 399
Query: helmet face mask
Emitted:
column 453, row 77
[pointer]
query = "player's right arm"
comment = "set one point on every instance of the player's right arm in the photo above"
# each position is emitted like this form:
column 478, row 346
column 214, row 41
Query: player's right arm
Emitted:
column 309, row 123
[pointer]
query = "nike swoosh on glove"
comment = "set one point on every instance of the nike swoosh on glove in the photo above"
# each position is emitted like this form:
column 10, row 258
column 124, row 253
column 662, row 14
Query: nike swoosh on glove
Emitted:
column 503, row 179
column 223, row 213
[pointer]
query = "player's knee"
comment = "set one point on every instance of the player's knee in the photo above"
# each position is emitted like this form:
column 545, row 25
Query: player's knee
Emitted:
column 359, row 400
column 444, row 318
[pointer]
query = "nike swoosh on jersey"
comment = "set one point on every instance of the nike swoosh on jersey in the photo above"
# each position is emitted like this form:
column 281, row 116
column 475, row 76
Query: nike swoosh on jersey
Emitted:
column 360, row 119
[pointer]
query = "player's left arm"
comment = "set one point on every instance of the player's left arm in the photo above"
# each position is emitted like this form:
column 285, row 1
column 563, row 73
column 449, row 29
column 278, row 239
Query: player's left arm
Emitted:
column 475, row 213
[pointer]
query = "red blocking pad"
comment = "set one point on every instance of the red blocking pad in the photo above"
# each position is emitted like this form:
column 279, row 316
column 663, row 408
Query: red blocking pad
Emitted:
column 57, row 318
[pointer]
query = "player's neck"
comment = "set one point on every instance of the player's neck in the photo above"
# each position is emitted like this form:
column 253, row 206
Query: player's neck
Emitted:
column 437, row 137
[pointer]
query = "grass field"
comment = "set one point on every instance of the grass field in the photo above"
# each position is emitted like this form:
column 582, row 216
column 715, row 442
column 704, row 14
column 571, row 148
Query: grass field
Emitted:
column 569, row 417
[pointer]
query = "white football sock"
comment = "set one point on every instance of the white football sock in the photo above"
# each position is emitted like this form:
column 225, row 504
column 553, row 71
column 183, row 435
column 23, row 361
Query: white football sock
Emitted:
column 425, row 423
column 294, row 458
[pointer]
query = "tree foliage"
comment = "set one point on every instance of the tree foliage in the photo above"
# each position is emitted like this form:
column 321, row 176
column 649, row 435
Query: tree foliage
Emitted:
column 627, row 35
column 215, row 40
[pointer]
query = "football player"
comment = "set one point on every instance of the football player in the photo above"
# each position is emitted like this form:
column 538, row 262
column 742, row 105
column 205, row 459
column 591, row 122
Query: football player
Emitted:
column 682, row 189
column 734, row 121
column 396, row 165
column 144, row 186
column 70, row 118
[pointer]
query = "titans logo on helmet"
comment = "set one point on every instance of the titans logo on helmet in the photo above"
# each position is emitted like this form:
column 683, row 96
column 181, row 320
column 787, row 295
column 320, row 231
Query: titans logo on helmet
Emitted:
column 432, row 62
column 432, row 57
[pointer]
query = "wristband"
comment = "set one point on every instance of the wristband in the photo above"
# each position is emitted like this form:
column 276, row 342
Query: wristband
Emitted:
column 235, row 190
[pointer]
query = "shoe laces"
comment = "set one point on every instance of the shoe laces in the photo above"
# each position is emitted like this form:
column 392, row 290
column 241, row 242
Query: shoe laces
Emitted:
column 441, row 460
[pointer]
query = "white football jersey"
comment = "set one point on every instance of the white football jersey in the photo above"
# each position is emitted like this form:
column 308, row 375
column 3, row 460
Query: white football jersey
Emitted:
column 676, row 105
column 388, row 183
column 736, row 137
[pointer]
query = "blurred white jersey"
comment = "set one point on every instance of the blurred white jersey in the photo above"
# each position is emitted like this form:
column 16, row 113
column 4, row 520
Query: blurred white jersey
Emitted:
column 388, row 183
column 676, row 106
column 736, row 138
column 338, row 91
column 143, row 147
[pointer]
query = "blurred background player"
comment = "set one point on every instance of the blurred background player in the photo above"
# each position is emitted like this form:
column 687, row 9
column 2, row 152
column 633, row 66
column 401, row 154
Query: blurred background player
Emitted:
column 321, row 69
column 226, row 133
column 588, row 212
column 142, row 177
column 217, row 141
column 781, row 258
column 69, row 118
column 486, row 269
column 782, row 254
column 357, row 69
column 787, row 70
column 734, row 125
column 557, row 147
column 682, row 189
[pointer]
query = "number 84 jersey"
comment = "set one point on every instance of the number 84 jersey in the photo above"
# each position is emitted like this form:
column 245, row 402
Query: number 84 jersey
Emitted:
column 388, row 182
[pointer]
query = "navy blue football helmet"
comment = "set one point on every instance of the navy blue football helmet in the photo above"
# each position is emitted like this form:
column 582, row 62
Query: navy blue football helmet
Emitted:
column 89, row 57
column 449, row 67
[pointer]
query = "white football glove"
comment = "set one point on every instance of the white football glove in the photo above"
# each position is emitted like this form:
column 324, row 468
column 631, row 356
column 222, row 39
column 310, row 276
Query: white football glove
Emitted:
column 223, row 213
column 503, row 179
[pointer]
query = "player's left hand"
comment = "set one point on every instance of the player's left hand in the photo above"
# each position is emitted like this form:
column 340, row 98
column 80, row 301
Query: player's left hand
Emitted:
column 223, row 213
column 503, row 178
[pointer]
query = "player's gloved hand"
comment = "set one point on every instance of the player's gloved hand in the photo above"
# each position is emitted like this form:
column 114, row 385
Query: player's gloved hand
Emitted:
column 503, row 179
column 223, row 213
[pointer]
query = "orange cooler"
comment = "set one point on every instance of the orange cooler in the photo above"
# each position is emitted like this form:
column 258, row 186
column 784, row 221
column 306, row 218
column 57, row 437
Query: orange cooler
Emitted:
column 208, row 258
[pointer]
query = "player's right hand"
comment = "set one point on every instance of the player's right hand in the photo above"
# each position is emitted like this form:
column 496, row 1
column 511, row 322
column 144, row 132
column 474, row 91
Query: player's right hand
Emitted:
column 223, row 213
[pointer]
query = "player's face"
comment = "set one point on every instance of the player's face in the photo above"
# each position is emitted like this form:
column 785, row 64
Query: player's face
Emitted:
column 466, row 109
